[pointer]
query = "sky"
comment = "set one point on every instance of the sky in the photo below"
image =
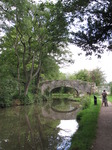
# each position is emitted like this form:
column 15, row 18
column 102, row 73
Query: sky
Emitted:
column 83, row 62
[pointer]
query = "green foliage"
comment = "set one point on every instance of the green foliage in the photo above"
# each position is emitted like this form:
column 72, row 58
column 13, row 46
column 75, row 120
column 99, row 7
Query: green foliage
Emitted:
column 93, row 32
column 83, row 138
column 40, row 98
column 109, row 98
column 79, row 116
column 50, row 69
column 82, row 75
column 62, row 76
column 34, row 45
column 8, row 88
column 111, row 90
column 110, row 84
column 25, row 100
column 85, row 101
column 95, row 75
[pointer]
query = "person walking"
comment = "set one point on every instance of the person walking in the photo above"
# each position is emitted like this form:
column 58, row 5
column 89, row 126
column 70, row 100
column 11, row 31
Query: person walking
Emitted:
column 104, row 98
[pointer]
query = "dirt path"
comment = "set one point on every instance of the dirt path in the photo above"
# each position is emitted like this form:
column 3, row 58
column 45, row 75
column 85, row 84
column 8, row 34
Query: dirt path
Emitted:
column 104, row 131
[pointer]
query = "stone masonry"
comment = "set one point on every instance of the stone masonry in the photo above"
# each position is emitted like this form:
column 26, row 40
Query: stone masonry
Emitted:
column 81, row 87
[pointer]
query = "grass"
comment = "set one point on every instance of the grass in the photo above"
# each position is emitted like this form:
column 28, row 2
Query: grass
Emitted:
column 109, row 97
column 87, row 118
column 68, row 96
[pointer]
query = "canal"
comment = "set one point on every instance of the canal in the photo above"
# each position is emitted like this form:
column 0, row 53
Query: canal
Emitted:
column 42, row 126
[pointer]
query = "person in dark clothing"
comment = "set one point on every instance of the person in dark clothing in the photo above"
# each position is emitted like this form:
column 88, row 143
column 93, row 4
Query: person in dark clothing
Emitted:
column 104, row 98
column 95, row 100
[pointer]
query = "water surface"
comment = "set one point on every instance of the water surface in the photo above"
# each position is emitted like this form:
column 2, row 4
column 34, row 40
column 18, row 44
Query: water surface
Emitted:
column 37, row 127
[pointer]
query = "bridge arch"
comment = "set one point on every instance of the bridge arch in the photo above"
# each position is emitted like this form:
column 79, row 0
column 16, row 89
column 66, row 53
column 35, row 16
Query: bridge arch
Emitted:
column 66, row 89
column 80, row 86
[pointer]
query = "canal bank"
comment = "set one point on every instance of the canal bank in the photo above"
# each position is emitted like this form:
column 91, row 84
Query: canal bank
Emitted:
column 87, row 118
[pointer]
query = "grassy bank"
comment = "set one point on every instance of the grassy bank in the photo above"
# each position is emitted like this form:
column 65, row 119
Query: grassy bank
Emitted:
column 109, row 97
column 64, row 96
column 87, row 118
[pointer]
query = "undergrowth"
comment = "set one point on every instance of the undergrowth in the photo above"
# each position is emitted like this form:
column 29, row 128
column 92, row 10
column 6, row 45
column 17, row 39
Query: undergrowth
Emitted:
column 87, row 118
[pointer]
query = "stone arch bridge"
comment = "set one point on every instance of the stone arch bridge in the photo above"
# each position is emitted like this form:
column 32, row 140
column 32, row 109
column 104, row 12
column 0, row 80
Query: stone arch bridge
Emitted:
column 81, row 87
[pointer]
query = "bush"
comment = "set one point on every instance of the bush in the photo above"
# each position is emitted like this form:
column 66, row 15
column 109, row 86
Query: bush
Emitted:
column 111, row 90
column 85, row 101
column 28, row 99
column 79, row 116
column 7, row 91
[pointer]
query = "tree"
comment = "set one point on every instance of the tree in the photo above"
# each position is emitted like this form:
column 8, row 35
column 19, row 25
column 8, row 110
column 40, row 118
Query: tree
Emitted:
column 49, row 70
column 95, row 75
column 62, row 76
column 36, row 33
column 8, row 82
column 82, row 75
column 93, row 25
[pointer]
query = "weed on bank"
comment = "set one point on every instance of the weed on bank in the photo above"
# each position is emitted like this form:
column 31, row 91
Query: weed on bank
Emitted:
column 87, row 118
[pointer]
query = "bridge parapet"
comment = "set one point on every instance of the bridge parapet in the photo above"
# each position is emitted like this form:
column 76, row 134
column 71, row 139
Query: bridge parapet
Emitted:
column 80, row 86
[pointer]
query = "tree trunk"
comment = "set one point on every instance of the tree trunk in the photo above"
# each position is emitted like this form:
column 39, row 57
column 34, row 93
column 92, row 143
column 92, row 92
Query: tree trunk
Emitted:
column 18, row 64
column 27, row 87
column 30, row 77
column 37, row 81
column 32, row 74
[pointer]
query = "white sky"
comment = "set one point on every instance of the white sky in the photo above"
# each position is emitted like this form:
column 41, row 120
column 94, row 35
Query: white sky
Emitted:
column 83, row 62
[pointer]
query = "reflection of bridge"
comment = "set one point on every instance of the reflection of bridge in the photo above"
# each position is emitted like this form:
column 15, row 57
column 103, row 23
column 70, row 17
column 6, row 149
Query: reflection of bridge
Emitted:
column 49, row 113
column 79, row 86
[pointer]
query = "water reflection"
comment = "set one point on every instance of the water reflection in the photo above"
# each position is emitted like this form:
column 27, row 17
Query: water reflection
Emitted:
column 35, row 127
column 67, row 129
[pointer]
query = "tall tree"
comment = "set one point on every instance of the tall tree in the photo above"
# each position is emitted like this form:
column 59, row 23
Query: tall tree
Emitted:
column 97, row 76
column 36, row 31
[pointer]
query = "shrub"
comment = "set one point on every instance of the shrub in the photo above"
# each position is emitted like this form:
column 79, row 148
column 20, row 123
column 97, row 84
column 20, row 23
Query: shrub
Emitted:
column 28, row 99
column 85, row 101
column 7, row 91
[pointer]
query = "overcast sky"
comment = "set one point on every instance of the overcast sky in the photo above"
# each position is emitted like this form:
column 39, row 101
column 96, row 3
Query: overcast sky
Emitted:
column 82, row 62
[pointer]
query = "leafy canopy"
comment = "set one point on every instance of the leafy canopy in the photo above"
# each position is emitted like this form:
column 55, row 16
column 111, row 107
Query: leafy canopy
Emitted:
column 92, row 24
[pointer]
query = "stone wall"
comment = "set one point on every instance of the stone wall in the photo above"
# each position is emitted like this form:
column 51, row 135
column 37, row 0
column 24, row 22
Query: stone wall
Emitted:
column 79, row 86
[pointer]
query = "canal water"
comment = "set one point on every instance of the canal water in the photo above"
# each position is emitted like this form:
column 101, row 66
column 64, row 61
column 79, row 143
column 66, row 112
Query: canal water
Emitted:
column 42, row 126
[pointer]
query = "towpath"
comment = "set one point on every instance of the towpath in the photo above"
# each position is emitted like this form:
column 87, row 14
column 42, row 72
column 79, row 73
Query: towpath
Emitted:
column 103, row 139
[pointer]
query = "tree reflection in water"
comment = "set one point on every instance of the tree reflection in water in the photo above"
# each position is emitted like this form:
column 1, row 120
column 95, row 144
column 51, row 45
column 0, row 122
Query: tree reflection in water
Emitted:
column 34, row 127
